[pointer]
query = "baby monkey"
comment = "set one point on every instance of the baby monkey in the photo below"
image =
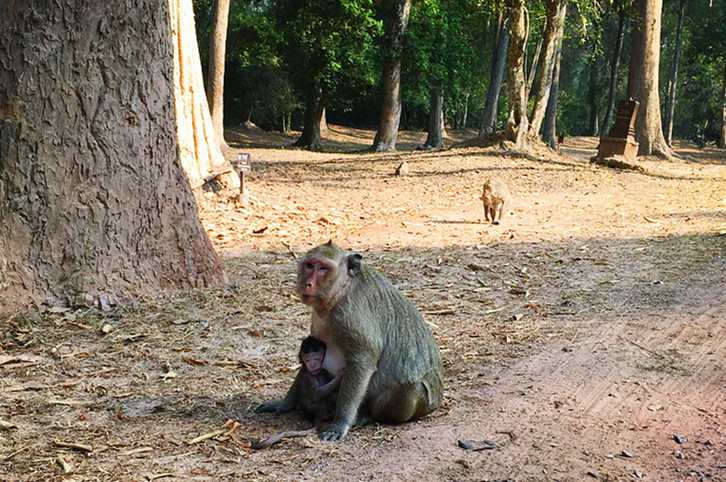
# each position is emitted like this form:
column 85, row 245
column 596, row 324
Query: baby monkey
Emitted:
column 317, row 389
column 494, row 196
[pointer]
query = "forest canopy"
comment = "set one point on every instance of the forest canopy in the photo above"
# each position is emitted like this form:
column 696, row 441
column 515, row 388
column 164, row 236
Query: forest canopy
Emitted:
column 276, row 47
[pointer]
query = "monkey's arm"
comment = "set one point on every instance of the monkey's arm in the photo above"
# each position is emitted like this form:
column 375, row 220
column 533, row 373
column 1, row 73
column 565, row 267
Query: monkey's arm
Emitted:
column 354, row 384
column 326, row 390
column 286, row 404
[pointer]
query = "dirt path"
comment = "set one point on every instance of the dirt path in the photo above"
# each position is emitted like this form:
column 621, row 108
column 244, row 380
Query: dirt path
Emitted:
column 580, row 336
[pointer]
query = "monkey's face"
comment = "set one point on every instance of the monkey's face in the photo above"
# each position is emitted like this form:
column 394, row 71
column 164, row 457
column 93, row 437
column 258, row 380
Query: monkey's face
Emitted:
column 313, row 362
column 323, row 274
column 314, row 280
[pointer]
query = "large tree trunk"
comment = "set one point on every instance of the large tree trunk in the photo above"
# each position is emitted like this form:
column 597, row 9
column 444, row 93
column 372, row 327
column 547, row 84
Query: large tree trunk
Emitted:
column 93, row 199
column 436, row 121
column 310, row 137
column 387, row 133
column 201, row 156
column 489, row 123
column 673, row 81
column 549, row 130
column 517, row 125
column 643, row 78
column 215, row 74
column 556, row 10
column 613, row 84
column 722, row 135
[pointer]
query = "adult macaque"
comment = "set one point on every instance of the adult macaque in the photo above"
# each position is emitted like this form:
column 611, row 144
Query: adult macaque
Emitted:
column 494, row 196
column 391, row 366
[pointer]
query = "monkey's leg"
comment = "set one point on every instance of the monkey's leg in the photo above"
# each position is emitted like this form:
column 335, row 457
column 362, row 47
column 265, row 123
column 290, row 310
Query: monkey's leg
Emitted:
column 403, row 403
column 356, row 377
column 286, row 404
column 486, row 213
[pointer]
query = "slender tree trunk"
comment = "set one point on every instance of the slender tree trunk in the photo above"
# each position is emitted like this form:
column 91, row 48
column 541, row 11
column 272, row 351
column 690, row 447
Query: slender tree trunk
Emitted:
column 592, row 90
column 643, row 78
column 436, row 122
column 310, row 137
column 93, row 200
column 722, row 135
column 489, row 122
column 517, row 125
column 387, row 133
column 549, row 134
column 200, row 153
column 466, row 111
column 673, row 81
column 323, row 120
column 556, row 10
column 535, row 64
column 613, row 84
column 215, row 74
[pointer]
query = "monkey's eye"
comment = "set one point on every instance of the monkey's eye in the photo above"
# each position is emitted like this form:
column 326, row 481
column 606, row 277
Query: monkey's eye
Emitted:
column 322, row 268
column 309, row 265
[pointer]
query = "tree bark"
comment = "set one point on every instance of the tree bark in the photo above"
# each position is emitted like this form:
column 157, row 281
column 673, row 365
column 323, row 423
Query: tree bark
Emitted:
column 310, row 137
column 535, row 63
column 215, row 74
column 722, row 135
column 643, row 78
column 517, row 125
column 549, row 134
column 673, row 81
column 385, row 139
column 93, row 199
column 554, row 27
column 200, row 154
column 613, row 84
column 489, row 123
column 436, row 121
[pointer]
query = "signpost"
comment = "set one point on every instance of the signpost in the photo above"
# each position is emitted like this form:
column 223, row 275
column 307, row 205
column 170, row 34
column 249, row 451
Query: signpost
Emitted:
column 241, row 165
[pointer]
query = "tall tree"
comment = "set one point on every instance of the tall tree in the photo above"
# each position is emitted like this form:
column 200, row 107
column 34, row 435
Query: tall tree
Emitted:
column 499, row 62
column 434, row 139
column 387, row 133
column 614, row 63
column 215, row 72
column 549, row 129
column 554, row 27
column 643, row 78
column 93, row 198
column 200, row 155
column 325, row 44
column 673, row 80
column 517, row 125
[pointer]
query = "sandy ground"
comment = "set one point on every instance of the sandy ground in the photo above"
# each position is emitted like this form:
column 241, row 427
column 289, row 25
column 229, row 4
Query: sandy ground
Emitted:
column 585, row 335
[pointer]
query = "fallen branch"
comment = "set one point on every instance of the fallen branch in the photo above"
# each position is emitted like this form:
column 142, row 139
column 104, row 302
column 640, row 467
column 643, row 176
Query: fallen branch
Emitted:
column 72, row 445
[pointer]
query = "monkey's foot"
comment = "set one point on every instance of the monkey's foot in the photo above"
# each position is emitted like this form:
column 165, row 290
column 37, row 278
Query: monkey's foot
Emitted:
column 334, row 432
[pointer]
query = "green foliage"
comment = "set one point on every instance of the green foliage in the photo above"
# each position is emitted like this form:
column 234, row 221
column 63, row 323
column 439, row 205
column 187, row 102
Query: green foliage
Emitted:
column 276, row 49
column 446, row 49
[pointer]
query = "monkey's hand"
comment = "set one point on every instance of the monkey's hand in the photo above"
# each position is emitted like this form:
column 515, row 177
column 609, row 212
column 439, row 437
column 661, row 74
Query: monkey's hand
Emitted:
column 276, row 406
column 335, row 432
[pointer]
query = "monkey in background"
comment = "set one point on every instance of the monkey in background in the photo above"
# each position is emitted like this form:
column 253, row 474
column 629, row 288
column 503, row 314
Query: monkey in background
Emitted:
column 494, row 196
column 390, row 363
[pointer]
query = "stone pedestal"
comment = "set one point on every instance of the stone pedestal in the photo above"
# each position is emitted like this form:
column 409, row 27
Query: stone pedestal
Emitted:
column 620, row 141
column 616, row 146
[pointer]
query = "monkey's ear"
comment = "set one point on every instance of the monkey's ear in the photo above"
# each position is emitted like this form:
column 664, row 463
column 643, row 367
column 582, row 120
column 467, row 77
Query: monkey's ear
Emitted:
column 354, row 264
